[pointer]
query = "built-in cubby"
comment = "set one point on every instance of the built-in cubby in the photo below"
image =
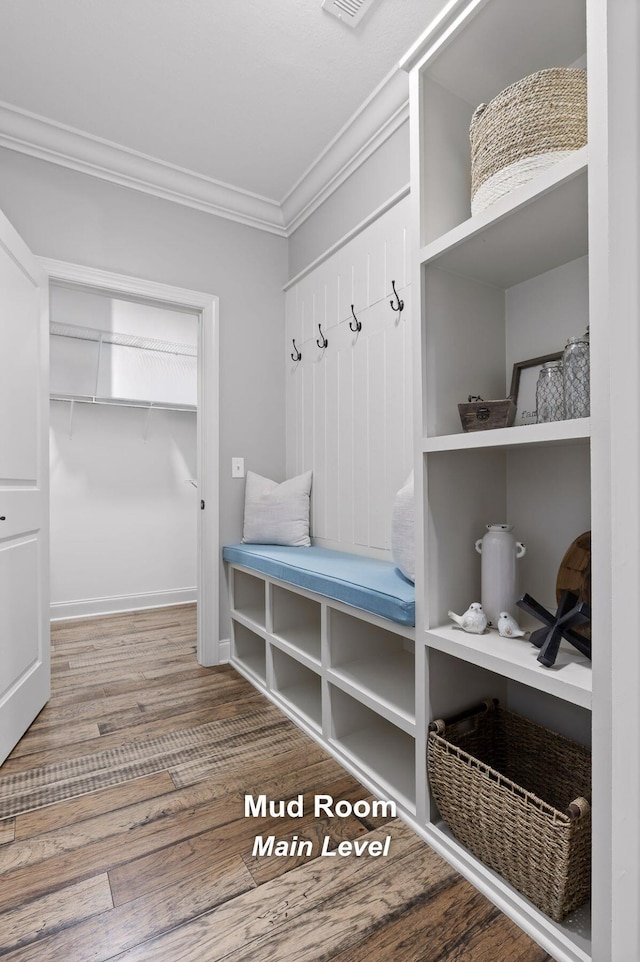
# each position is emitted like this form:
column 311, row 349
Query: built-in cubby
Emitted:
column 502, row 318
column 249, row 597
column 544, row 491
column 250, row 651
column 453, row 684
column 374, row 665
column 299, row 686
column 296, row 619
column 346, row 676
column 494, row 45
column 380, row 749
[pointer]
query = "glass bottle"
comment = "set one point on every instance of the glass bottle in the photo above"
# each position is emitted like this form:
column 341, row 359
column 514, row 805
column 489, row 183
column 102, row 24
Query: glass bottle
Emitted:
column 550, row 393
column 576, row 377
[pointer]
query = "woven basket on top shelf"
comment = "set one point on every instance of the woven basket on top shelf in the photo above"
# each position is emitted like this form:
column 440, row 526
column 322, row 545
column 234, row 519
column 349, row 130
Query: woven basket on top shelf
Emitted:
column 515, row 794
column 527, row 128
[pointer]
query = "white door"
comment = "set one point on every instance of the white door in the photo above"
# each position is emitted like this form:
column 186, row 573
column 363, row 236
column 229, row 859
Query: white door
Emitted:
column 24, row 491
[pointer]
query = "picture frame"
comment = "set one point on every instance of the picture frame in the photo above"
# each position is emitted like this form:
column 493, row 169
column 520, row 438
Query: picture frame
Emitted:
column 523, row 386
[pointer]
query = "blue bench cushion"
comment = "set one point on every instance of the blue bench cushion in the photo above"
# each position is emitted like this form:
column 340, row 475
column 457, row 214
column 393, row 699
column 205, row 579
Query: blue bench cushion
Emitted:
column 366, row 583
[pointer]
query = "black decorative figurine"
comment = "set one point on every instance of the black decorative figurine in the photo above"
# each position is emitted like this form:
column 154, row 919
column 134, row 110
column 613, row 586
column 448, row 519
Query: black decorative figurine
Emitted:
column 571, row 612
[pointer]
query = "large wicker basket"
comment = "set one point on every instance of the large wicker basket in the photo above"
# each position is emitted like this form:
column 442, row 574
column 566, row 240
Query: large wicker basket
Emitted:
column 528, row 127
column 515, row 794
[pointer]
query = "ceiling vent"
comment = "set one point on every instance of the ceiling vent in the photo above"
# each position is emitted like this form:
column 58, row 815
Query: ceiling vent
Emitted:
column 350, row 12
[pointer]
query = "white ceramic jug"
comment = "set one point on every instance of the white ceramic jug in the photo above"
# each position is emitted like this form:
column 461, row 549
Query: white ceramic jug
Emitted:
column 499, row 550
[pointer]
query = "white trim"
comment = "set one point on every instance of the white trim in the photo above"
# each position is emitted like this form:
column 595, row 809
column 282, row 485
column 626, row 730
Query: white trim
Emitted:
column 225, row 651
column 59, row 144
column 439, row 31
column 384, row 112
column 207, row 306
column 114, row 604
column 373, row 216
column 124, row 283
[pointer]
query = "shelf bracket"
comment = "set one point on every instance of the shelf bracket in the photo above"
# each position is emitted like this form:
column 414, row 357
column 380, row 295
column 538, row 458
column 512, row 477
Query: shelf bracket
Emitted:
column 71, row 419
column 97, row 391
column 146, row 423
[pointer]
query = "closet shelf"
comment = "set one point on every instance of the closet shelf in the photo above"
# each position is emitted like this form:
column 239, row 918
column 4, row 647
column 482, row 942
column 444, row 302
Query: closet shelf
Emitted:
column 123, row 340
column 123, row 402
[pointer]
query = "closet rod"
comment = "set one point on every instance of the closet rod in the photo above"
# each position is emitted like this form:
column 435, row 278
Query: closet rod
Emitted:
column 113, row 402
column 124, row 340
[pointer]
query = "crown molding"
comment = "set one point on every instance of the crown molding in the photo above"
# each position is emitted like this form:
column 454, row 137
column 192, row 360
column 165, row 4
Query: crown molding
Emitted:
column 381, row 114
column 440, row 31
column 56, row 143
column 373, row 123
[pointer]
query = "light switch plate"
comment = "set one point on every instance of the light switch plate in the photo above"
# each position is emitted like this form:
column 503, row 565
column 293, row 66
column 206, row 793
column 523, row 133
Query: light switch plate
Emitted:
column 237, row 467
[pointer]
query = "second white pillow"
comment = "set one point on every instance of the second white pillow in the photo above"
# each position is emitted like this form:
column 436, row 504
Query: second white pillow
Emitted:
column 403, row 536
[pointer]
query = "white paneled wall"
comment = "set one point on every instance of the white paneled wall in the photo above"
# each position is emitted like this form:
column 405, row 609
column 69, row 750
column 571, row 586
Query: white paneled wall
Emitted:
column 349, row 406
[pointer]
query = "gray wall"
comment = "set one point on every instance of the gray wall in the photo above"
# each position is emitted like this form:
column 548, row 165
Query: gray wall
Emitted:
column 72, row 217
column 381, row 176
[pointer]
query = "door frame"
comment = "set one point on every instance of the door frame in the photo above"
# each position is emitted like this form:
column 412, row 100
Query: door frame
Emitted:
column 207, row 307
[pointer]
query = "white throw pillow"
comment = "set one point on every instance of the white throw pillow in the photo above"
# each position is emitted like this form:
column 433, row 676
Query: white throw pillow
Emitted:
column 403, row 536
column 277, row 513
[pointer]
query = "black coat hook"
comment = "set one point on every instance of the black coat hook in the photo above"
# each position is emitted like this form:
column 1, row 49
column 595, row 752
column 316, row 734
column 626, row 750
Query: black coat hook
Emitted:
column 322, row 341
column 399, row 302
column 297, row 356
column 358, row 324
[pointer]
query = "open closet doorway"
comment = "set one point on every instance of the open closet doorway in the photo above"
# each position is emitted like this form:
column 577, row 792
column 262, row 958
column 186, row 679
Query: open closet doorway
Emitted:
column 134, row 447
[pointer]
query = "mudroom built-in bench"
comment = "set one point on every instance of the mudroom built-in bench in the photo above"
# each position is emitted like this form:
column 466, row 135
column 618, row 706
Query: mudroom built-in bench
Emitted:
column 328, row 636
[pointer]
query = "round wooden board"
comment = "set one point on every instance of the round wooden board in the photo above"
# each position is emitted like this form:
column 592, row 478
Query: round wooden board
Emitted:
column 574, row 574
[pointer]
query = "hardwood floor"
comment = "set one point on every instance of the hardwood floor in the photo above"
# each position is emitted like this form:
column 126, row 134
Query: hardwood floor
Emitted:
column 123, row 836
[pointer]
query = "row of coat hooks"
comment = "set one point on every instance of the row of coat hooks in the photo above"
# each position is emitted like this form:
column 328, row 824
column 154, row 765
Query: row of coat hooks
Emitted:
column 355, row 325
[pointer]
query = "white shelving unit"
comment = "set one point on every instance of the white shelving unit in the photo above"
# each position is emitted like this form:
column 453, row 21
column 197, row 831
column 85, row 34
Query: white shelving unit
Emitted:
column 85, row 359
column 508, row 284
column 344, row 675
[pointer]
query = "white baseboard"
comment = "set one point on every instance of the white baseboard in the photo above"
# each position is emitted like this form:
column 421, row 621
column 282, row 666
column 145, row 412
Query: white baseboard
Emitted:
column 224, row 651
column 93, row 607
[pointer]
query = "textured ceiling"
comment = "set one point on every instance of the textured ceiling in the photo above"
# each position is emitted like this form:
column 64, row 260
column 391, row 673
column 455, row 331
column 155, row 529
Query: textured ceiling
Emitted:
column 246, row 92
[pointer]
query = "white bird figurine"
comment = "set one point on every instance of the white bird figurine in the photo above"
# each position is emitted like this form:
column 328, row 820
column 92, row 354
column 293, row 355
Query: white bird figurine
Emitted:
column 473, row 620
column 508, row 627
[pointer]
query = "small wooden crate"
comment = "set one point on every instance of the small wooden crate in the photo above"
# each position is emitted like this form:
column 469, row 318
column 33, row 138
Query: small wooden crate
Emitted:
column 479, row 415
